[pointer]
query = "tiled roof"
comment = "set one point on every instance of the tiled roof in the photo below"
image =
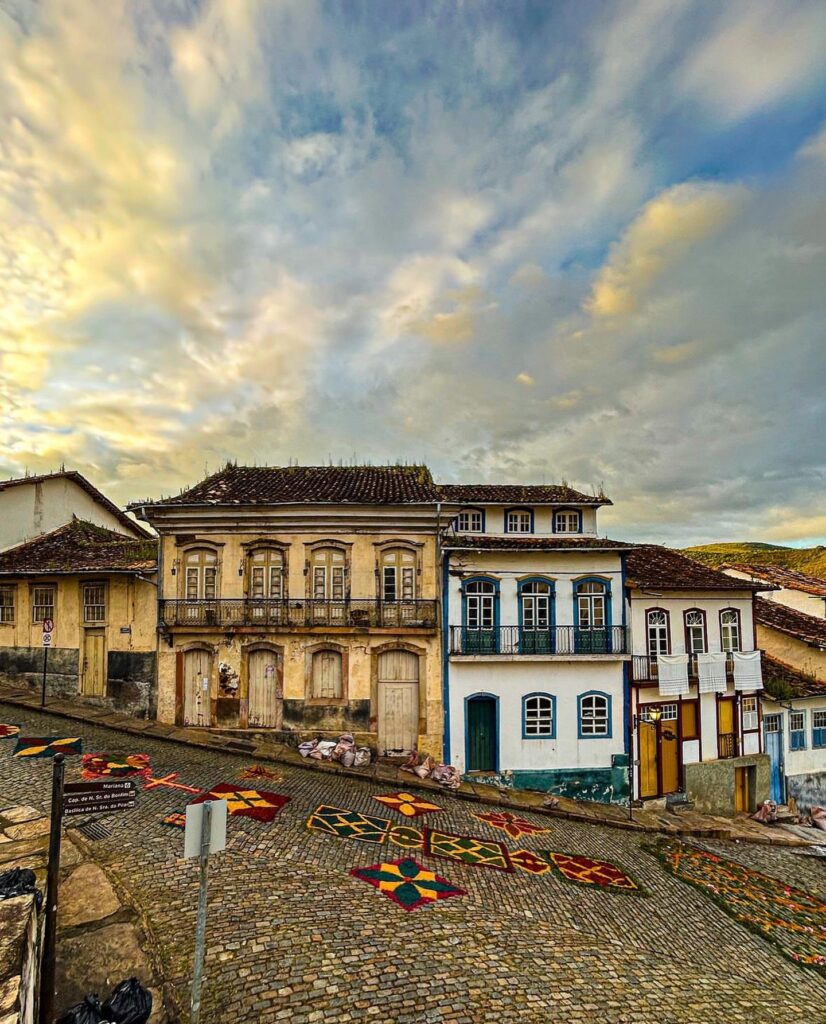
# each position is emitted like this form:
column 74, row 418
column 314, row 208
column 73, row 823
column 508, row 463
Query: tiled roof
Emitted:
column 276, row 485
column 517, row 494
column 508, row 542
column 774, row 615
column 80, row 547
column 650, row 565
column 783, row 577
column 798, row 683
column 91, row 490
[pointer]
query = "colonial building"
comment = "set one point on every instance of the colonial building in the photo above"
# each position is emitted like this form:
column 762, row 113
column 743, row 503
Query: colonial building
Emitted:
column 33, row 505
column 796, row 590
column 98, row 588
column 303, row 600
column 536, row 641
column 696, row 681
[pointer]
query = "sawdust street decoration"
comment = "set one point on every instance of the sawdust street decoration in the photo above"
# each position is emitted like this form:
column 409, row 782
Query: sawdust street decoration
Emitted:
column 102, row 766
column 510, row 824
column 47, row 746
column 246, row 803
column 407, row 804
column 169, row 782
column 407, row 883
column 258, row 771
column 8, row 731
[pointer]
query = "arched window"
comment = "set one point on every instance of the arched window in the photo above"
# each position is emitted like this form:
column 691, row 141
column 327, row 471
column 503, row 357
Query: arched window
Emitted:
column 592, row 609
column 594, row 715
column 539, row 716
column 398, row 574
column 695, row 631
column 265, row 572
column 470, row 520
column 536, row 616
column 200, row 574
column 567, row 520
column 326, row 675
column 519, row 520
column 730, row 629
column 480, row 616
column 329, row 574
column 657, row 627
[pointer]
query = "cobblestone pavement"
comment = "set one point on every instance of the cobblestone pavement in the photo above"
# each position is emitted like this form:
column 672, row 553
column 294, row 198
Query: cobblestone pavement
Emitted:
column 292, row 936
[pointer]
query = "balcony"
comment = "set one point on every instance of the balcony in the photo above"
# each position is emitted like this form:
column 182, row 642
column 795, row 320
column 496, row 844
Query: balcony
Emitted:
column 301, row 614
column 554, row 641
column 644, row 669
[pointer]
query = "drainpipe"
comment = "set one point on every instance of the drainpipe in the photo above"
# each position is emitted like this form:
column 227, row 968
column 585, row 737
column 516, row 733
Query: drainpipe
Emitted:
column 445, row 662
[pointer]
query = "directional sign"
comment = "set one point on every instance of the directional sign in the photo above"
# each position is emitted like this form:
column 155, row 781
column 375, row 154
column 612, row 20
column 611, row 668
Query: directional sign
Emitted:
column 194, row 841
column 99, row 797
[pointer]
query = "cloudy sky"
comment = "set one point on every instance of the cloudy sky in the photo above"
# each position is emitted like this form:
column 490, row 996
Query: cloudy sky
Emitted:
column 518, row 241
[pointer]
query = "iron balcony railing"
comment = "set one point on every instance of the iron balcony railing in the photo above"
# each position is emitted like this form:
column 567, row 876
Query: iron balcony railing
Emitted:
column 551, row 640
column 645, row 668
column 296, row 613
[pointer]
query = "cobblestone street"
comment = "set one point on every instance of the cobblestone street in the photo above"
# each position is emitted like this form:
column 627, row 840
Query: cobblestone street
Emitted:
column 293, row 936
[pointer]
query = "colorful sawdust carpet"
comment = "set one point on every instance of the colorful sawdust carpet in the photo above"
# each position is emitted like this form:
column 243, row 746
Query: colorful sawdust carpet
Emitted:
column 47, row 746
column 407, row 804
column 169, row 782
column 510, row 824
column 407, row 883
column 175, row 820
column 484, row 853
column 407, row 837
column 602, row 874
column 7, row 731
column 793, row 920
column 101, row 766
column 338, row 821
column 258, row 771
column 246, row 803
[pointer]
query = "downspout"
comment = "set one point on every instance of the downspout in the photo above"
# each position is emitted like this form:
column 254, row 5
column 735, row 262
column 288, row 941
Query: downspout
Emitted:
column 626, row 687
column 445, row 634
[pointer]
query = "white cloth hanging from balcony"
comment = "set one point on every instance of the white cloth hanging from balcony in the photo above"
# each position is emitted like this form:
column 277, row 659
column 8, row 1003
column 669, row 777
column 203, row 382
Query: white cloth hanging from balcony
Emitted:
column 672, row 672
column 711, row 672
column 748, row 673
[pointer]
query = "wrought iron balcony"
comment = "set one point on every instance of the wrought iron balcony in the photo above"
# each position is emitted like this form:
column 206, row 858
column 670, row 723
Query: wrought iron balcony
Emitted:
column 558, row 640
column 300, row 614
column 645, row 668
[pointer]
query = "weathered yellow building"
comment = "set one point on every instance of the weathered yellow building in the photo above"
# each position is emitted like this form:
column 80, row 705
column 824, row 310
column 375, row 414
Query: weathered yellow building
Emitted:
column 303, row 600
column 97, row 587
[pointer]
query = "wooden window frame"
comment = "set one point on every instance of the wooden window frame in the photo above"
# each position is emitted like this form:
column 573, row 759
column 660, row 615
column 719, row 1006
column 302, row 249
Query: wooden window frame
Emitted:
column 607, row 698
column 566, row 511
column 52, row 587
column 201, row 547
column 667, row 615
column 11, row 589
column 104, row 585
column 684, row 734
column 519, row 510
column 739, row 646
column 250, row 551
column 702, row 613
column 539, row 695
column 466, row 512
column 397, row 547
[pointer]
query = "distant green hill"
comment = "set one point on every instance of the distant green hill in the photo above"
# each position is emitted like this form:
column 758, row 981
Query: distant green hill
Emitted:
column 808, row 560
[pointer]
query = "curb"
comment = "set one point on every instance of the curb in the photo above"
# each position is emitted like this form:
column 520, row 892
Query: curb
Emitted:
column 204, row 739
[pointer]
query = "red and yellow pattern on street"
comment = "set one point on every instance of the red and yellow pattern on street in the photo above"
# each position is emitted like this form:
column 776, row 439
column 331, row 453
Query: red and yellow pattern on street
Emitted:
column 602, row 874
column 246, row 803
column 510, row 824
column 407, row 804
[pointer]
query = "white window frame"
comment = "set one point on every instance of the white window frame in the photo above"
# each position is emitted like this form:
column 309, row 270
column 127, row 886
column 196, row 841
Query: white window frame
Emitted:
column 539, row 718
column 750, row 714
column 47, row 608
column 519, row 520
column 730, row 632
column 567, row 520
column 659, row 641
column 469, row 520
column 595, row 716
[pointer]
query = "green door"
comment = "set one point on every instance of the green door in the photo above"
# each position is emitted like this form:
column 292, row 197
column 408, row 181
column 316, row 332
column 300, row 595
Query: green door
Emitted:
column 482, row 740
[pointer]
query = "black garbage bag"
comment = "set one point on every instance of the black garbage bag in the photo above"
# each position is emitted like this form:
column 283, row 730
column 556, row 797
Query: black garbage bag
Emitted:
column 19, row 882
column 129, row 1003
column 87, row 1012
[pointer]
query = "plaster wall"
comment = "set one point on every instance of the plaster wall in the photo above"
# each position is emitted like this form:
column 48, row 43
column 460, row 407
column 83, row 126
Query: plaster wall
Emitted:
column 811, row 759
column 676, row 605
column 799, row 655
column 809, row 604
column 711, row 784
column 542, row 519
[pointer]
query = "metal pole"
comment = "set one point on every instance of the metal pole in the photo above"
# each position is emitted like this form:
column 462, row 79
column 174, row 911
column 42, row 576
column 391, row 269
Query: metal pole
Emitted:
column 47, row 973
column 45, row 663
column 200, row 926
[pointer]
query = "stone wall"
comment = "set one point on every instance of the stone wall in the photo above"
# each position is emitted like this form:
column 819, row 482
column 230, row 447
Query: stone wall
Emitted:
column 710, row 784
column 809, row 790
column 601, row 785
column 19, row 927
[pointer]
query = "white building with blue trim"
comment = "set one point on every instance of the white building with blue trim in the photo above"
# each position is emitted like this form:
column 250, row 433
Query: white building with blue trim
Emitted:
column 537, row 649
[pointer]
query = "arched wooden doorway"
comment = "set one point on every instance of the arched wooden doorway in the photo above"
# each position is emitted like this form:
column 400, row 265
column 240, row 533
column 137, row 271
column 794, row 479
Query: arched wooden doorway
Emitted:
column 197, row 676
column 265, row 688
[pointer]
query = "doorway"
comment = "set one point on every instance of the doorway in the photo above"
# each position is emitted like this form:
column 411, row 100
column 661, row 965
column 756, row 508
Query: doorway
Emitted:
column 398, row 701
column 773, row 735
column 93, row 680
column 726, row 732
column 265, row 690
column 197, row 675
column 482, row 740
column 659, row 748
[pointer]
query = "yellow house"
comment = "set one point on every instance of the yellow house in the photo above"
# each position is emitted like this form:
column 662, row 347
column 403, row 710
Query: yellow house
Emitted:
column 98, row 588
column 302, row 600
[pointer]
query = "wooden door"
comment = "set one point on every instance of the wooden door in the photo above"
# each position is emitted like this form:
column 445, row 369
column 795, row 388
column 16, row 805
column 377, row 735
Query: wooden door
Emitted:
column 773, row 745
column 669, row 756
column 265, row 690
column 93, row 683
column 482, row 740
column 398, row 723
column 649, row 773
column 726, row 732
column 197, row 675
column 742, row 794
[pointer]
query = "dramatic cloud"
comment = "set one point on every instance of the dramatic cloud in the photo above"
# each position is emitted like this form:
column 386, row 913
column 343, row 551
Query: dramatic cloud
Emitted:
column 517, row 241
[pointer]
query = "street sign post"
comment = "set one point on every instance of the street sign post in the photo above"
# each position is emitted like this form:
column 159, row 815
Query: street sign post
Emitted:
column 206, row 832
column 46, row 640
column 99, row 797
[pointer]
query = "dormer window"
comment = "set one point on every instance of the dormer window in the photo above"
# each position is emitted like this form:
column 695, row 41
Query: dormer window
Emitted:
column 519, row 520
column 568, row 520
column 471, row 520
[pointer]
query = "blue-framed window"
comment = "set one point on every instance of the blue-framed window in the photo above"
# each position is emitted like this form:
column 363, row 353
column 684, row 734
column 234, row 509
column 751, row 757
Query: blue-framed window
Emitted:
column 819, row 728
column 539, row 716
column 797, row 730
column 480, row 615
column 594, row 715
column 471, row 520
column 536, row 616
column 567, row 520
column 518, row 520
column 592, row 615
